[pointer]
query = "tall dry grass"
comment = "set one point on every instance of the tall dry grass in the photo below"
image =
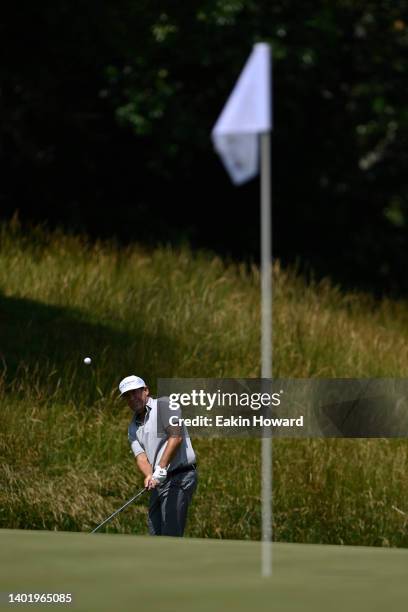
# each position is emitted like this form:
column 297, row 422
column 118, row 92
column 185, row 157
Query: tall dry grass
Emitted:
column 173, row 312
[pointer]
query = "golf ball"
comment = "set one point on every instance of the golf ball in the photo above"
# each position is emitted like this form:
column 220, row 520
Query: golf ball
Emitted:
column 87, row 360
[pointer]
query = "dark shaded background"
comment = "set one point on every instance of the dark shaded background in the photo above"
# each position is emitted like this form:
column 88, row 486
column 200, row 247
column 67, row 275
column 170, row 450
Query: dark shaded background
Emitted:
column 106, row 111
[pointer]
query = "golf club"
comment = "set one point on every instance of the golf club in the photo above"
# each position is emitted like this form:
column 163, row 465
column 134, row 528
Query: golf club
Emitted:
column 120, row 509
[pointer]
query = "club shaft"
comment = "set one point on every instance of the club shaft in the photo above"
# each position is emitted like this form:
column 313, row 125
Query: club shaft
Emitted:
column 120, row 509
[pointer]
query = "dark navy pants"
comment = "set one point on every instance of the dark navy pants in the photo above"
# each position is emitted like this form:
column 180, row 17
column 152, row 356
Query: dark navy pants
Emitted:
column 169, row 504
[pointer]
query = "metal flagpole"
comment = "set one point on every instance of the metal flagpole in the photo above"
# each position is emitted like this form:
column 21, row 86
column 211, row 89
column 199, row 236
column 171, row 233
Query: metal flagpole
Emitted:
column 245, row 119
column 266, row 344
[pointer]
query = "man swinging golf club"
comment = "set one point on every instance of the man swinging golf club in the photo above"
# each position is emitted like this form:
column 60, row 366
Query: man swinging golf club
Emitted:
column 164, row 455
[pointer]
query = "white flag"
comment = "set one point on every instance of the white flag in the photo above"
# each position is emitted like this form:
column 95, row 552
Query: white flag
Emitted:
column 246, row 114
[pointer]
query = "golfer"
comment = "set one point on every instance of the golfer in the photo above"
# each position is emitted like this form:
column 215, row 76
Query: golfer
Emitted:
column 164, row 455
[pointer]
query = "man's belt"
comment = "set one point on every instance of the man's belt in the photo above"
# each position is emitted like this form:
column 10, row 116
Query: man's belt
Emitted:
column 181, row 469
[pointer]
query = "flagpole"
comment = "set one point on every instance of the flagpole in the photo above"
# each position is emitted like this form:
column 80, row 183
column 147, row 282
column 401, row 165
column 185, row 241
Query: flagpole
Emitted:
column 266, row 344
column 245, row 120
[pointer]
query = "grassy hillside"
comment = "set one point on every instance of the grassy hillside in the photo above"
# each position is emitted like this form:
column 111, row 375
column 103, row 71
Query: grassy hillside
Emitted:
column 163, row 313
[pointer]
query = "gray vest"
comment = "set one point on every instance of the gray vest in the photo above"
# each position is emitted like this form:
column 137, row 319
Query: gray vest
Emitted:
column 150, row 436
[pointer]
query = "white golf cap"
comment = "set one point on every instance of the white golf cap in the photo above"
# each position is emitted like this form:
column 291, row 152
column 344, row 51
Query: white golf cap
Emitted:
column 131, row 382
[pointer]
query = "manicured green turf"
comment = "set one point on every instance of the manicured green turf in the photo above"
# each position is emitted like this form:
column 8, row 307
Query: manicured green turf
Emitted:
column 122, row 572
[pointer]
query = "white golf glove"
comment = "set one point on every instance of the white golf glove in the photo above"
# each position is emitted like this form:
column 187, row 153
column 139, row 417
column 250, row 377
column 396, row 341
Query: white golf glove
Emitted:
column 160, row 475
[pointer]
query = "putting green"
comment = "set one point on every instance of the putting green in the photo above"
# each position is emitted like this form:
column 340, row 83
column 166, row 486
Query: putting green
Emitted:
column 121, row 572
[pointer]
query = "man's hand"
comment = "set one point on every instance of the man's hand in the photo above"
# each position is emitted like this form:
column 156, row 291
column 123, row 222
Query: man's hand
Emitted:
column 149, row 483
column 159, row 476
column 145, row 467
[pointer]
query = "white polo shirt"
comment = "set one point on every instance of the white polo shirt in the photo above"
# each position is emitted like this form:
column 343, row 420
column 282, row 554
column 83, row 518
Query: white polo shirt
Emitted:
column 150, row 436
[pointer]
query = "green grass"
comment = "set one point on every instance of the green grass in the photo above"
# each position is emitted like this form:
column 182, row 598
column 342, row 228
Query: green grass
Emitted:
column 105, row 572
column 176, row 313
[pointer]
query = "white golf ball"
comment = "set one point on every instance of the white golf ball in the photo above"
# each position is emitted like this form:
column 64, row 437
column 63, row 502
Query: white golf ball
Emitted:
column 87, row 360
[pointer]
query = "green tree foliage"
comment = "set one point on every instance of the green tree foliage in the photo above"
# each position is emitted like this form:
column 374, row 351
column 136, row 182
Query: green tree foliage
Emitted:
column 110, row 105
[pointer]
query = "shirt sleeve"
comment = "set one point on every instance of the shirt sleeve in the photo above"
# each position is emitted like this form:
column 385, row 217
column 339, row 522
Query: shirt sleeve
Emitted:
column 133, row 441
column 166, row 413
column 136, row 448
